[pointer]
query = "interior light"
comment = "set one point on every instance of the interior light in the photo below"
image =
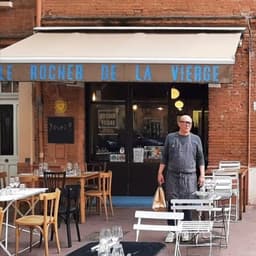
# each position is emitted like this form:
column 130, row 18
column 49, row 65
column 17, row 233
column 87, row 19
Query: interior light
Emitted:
column 160, row 108
column 175, row 93
column 93, row 96
column 179, row 104
column 134, row 107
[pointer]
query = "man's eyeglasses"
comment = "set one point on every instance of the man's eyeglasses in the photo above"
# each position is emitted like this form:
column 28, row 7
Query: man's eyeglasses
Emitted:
column 185, row 122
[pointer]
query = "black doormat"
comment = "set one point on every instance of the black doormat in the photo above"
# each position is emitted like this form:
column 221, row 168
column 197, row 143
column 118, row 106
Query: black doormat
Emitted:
column 134, row 248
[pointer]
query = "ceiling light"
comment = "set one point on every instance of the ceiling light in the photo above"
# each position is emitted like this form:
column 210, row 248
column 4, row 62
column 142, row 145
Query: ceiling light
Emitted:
column 175, row 93
column 179, row 104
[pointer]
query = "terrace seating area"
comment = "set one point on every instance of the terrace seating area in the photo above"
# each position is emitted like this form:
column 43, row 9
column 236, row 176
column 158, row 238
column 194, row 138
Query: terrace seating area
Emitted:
column 241, row 239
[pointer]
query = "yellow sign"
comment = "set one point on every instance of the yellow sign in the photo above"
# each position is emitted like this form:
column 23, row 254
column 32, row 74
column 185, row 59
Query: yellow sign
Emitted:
column 60, row 106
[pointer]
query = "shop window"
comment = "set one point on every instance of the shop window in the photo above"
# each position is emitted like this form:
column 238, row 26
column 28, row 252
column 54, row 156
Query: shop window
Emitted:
column 9, row 87
column 107, row 127
column 149, row 131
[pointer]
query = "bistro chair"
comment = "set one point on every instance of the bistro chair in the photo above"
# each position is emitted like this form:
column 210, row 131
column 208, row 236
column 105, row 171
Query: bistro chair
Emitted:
column 231, row 169
column 94, row 167
column 1, row 220
column 54, row 179
column 30, row 181
column 42, row 222
column 3, row 179
column 3, row 182
column 69, row 208
column 223, row 191
column 103, row 194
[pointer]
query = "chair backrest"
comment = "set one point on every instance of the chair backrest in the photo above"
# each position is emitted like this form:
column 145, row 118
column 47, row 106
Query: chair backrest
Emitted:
column 50, row 206
column 153, row 225
column 54, row 179
column 192, row 204
column 105, row 182
column 1, row 220
column 29, row 180
column 3, row 179
column 223, row 186
column 229, row 165
column 233, row 173
column 97, row 166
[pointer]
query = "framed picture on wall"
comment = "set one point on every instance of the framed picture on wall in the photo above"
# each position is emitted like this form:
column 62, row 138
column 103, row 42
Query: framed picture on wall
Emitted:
column 61, row 130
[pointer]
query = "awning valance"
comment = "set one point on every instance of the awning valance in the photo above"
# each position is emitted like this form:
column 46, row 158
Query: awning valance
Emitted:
column 131, row 56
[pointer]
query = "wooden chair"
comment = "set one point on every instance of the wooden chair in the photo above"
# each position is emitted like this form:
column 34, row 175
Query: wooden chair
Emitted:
column 94, row 167
column 30, row 181
column 42, row 222
column 3, row 179
column 103, row 194
column 1, row 220
column 3, row 183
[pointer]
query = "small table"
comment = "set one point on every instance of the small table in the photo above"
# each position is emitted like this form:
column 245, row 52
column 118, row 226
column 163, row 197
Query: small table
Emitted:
column 10, row 196
column 134, row 248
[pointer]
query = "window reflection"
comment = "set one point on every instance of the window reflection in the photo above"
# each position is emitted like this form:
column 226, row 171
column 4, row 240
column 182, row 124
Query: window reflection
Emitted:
column 149, row 130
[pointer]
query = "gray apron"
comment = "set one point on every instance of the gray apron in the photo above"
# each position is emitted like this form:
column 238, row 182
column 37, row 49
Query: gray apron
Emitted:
column 181, row 182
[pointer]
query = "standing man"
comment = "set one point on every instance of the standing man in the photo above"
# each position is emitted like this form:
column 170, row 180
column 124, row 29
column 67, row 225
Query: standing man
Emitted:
column 182, row 154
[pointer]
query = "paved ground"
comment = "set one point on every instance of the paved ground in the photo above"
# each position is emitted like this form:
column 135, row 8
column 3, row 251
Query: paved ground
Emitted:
column 242, row 235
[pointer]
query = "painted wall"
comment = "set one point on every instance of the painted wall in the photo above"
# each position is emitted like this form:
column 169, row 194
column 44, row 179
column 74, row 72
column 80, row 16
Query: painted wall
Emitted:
column 26, row 123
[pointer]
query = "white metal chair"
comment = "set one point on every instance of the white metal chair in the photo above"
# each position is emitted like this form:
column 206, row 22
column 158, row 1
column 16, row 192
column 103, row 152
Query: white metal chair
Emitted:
column 150, row 225
column 232, row 169
column 223, row 194
column 196, row 227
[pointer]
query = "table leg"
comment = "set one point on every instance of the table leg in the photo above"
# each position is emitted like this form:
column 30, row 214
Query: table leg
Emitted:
column 82, row 200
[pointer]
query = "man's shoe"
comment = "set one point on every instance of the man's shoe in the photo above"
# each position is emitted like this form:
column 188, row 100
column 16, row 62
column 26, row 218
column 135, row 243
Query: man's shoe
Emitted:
column 170, row 237
column 185, row 237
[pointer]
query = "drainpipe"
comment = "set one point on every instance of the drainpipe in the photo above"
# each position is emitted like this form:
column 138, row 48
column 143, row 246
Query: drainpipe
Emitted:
column 38, row 12
column 248, row 19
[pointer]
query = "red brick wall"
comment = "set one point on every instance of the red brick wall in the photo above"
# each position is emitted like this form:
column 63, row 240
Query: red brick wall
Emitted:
column 147, row 8
column 74, row 97
column 16, row 23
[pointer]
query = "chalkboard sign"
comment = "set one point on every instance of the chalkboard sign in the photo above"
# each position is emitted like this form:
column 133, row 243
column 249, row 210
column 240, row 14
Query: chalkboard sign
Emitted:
column 61, row 130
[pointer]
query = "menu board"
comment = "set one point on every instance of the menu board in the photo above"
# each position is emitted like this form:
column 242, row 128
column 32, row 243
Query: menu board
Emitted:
column 61, row 130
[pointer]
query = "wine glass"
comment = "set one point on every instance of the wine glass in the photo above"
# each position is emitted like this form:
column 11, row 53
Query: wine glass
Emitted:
column 16, row 181
column 12, row 182
column 117, row 234
column 118, row 250
column 105, row 236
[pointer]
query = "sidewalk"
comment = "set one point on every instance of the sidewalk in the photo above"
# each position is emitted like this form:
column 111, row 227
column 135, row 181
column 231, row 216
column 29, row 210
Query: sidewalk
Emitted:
column 242, row 235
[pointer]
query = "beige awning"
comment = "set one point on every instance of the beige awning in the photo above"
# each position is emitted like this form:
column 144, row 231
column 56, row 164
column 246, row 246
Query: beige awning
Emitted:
column 154, row 48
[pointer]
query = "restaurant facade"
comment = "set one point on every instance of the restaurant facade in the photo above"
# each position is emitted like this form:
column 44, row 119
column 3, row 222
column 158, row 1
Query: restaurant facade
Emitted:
column 103, row 83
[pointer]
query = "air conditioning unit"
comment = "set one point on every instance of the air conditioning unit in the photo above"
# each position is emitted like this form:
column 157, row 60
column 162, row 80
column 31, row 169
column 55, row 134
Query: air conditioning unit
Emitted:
column 6, row 4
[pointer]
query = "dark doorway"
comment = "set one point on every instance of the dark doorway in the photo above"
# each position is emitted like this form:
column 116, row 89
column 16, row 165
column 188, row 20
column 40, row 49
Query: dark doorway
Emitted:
column 6, row 129
column 127, row 125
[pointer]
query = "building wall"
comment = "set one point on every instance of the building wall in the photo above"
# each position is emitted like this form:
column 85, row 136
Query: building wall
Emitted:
column 147, row 8
column 231, row 130
column 74, row 98
column 26, row 125
column 17, row 22
column 232, row 126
